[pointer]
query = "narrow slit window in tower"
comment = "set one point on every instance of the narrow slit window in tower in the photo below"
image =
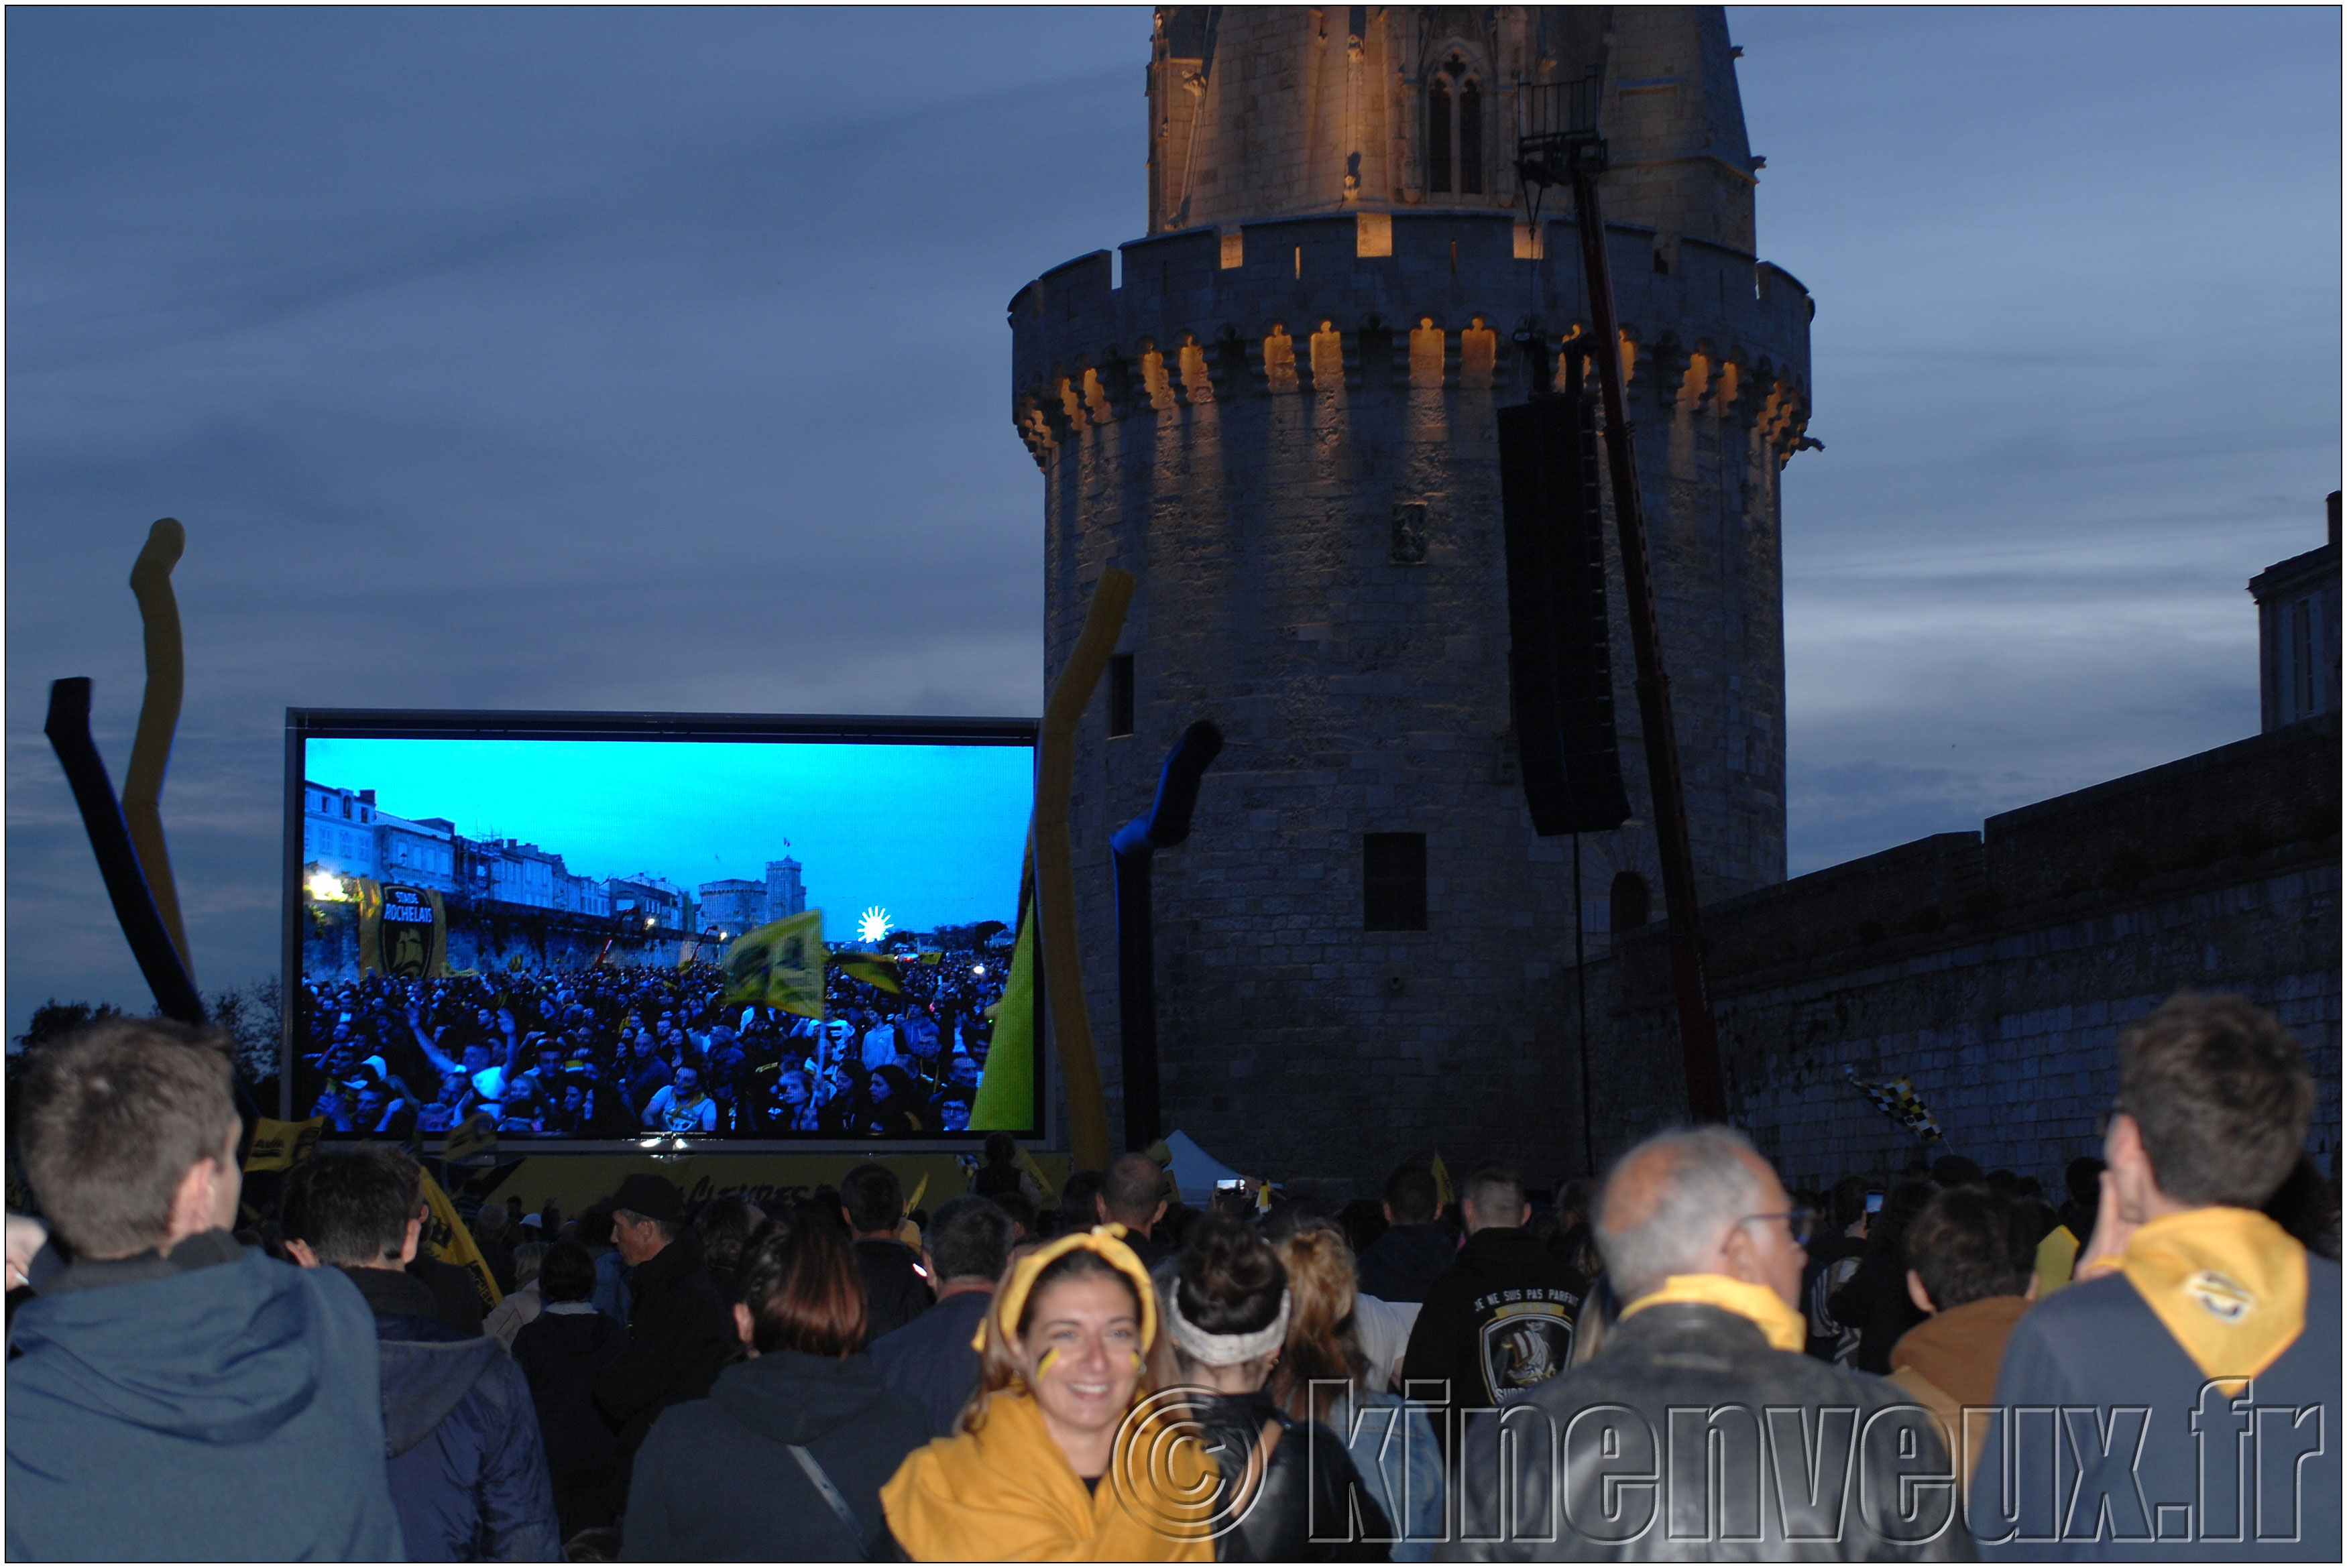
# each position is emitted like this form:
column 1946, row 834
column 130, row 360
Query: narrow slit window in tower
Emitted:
column 1629, row 900
column 1438, row 136
column 1470, row 139
column 1120, row 694
column 1393, row 881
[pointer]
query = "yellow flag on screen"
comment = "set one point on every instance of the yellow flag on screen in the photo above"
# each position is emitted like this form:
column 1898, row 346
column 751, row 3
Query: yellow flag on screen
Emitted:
column 1006, row 1091
column 478, row 1135
column 282, row 1146
column 871, row 967
column 779, row 965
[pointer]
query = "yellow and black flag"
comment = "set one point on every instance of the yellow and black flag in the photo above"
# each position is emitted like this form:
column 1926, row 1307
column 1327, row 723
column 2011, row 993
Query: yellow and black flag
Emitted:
column 281, row 1146
column 445, row 1238
column 1898, row 1100
column 779, row 965
column 872, row 968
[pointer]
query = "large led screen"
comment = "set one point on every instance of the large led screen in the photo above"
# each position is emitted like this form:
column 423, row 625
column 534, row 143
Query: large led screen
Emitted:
column 610, row 929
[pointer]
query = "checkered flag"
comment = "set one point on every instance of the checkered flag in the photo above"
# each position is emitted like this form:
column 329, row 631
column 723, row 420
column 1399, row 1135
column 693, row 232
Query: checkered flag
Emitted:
column 1898, row 1100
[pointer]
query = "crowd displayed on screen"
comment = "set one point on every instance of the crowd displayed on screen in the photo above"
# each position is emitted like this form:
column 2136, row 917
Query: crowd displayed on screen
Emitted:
column 624, row 1053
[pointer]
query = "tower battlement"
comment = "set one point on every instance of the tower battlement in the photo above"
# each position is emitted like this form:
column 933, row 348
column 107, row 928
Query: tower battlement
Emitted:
column 1279, row 412
column 1403, row 300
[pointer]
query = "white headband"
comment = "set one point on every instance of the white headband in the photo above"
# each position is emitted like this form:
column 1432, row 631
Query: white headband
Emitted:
column 1223, row 1349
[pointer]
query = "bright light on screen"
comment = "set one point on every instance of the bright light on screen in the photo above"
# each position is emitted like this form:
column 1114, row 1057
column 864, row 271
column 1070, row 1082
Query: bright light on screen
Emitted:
column 586, row 892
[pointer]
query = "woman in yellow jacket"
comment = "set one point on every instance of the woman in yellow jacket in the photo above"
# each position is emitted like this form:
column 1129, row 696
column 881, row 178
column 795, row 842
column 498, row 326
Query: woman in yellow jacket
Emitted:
column 1060, row 1456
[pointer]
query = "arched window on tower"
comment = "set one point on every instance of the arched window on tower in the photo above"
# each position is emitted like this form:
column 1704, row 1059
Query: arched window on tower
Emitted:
column 1437, row 135
column 1454, row 130
column 1470, row 138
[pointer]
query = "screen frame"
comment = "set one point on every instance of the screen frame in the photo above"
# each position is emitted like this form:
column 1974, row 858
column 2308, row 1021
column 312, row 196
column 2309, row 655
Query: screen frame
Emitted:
column 305, row 724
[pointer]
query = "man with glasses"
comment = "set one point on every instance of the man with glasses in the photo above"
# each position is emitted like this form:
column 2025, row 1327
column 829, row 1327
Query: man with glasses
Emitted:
column 1700, row 1428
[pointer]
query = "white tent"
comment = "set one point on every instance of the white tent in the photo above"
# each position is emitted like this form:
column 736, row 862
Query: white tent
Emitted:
column 1195, row 1171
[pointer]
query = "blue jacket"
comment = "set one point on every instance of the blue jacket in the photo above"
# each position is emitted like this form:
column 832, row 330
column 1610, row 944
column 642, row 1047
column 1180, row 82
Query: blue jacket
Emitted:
column 467, row 1466
column 931, row 1360
column 214, row 1404
column 2174, row 1467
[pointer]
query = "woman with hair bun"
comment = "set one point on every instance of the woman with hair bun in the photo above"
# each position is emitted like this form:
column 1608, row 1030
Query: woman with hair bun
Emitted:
column 1287, row 1491
column 1319, row 1379
column 1059, row 1456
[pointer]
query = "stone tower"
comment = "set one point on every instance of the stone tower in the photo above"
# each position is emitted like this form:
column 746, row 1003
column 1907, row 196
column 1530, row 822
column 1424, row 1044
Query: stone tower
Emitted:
column 1276, row 411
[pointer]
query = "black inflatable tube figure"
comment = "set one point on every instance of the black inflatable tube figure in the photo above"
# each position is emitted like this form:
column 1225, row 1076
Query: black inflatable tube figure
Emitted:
column 1133, row 847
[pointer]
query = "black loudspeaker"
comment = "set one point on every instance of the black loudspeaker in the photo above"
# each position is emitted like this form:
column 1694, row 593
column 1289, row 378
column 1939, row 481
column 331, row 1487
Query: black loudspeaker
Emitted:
column 1560, row 664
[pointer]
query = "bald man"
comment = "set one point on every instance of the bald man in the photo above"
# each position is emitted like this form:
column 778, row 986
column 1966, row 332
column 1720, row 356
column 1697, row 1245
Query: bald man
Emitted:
column 1700, row 1428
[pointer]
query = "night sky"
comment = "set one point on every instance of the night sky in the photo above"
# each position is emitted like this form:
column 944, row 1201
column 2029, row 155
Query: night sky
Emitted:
column 630, row 359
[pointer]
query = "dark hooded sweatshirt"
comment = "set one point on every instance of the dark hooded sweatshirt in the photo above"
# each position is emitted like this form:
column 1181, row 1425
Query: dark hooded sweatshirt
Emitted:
column 715, row 1481
column 1497, row 1325
column 561, row 1351
column 207, row 1406
column 468, row 1469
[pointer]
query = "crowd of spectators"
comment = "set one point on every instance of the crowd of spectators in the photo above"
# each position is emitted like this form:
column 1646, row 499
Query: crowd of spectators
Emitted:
column 604, row 1053
column 1104, row 1372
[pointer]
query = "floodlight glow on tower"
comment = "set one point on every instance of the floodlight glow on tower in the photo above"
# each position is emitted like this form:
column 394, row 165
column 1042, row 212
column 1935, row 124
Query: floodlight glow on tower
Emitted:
column 872, row 924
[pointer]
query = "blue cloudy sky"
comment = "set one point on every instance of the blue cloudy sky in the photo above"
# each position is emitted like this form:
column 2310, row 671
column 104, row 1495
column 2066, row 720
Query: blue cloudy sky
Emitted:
column 655, row 359
column 933, row 835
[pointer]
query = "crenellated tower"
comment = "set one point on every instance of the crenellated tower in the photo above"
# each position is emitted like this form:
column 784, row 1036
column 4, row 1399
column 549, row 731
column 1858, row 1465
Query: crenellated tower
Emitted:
column 1277, row 410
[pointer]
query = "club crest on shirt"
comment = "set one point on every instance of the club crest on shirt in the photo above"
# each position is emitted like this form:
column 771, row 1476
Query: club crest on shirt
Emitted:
column 1525, row 1344
column 2221, row 1297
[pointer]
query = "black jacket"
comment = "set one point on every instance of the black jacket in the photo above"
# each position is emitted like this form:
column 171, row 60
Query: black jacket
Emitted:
column 1875, row 1302
column 1788, row 1458
column 457, row 1298
column 715, row 1480
column 1833, row 1260
column 467, row 1468
column 561, row 1353
column 1402, row 1263
column 1498, row 1324
column 1310, row 1495
column 679, row 1336
column 894, row 1292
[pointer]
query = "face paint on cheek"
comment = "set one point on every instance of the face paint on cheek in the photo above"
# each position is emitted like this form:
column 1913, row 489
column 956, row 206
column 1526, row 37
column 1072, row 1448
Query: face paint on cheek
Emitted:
column 1044, row 1366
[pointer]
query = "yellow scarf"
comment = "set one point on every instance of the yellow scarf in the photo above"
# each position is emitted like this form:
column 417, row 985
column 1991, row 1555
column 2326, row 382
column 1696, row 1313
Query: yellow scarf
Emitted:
column 1756, row 1304
column 1108, row 1241
column 1005, row 1493
column 2228, row 1283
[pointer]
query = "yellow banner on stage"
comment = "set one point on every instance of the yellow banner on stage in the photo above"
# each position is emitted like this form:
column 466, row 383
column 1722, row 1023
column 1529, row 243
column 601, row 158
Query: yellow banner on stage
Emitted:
column 445, row 1238
column 281, row 1146
column 574, row 1182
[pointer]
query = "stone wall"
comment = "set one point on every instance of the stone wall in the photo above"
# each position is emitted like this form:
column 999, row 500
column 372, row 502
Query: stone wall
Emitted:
column 1993, row 969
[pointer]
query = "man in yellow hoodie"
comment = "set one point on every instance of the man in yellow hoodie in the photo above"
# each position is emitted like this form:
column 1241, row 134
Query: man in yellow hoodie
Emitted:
column 2181, row 1399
